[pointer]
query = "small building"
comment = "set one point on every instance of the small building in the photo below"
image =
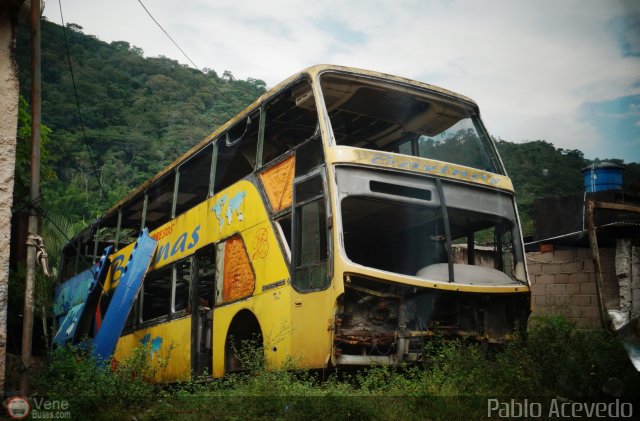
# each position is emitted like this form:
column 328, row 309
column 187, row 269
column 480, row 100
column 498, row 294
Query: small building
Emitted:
column 584, row 259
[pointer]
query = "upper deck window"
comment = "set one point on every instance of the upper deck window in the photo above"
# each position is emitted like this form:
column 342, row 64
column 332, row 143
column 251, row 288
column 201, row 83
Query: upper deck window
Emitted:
column 290, row 119
column 385, row 116
column 237, row 150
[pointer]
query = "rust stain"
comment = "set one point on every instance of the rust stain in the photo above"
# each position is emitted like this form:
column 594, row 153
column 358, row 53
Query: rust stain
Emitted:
column 366, row 337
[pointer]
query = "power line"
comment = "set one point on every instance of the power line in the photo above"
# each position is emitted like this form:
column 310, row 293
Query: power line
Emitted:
column 75, row 91
column 182, row 51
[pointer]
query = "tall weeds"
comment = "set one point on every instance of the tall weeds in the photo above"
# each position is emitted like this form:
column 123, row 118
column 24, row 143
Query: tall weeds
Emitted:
column 454, row 382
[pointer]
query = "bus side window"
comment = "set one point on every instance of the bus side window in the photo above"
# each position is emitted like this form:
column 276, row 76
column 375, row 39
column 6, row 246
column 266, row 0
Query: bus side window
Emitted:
column 156, row 297
column 290, row 119
column 131, row 217
column 159, row 202
column 86, row 248
column 181, row 288
column 107, row 233
column 193, row 180
column 68, row 262
column 204, row 289
column 236, row 157
column 284, row 227
column 132, row 319
column 310, row 248
column 309, row 155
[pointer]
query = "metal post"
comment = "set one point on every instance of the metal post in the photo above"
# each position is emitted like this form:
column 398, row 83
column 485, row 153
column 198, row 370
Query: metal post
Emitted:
column 595, row 255
column 27, row 320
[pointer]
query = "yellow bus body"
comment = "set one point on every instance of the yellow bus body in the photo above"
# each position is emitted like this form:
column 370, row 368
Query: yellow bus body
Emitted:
column 297, row 327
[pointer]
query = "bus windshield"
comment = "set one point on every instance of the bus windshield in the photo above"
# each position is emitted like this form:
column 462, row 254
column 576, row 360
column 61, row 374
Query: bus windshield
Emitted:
column 409, row 230
column 381, row 115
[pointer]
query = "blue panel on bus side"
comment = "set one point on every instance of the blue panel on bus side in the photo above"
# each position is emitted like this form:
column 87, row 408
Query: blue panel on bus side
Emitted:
column 76, row 289
column 68, row 325
column 93, row 297
column 73, row 292
column 124, row 295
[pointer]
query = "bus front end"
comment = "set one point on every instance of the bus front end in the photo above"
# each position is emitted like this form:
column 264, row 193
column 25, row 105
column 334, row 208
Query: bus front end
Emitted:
column 428, row 240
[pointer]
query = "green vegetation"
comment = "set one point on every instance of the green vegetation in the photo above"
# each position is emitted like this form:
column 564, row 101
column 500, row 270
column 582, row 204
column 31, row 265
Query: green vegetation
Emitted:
column 454, row 382
column 72, row 375
column 139, row 115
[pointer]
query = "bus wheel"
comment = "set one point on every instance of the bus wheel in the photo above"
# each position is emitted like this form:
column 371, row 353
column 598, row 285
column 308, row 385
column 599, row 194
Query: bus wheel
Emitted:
column 243, row 347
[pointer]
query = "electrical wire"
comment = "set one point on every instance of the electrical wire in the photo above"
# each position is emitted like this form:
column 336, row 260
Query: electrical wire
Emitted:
column 75, row 92
column 182, row 51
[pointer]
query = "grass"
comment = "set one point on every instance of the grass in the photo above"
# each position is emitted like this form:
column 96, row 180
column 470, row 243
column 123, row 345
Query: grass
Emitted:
column 454, row 382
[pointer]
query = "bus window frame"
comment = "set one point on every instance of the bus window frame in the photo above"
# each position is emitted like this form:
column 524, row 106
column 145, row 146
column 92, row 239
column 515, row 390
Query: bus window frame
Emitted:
column 155, row 189
column 179, row 173
column 225, row 137
column 172, row 313
column 304, row 78
column 325, row 200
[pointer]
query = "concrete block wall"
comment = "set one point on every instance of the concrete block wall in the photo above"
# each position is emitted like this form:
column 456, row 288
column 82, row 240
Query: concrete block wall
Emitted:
column 564, row 282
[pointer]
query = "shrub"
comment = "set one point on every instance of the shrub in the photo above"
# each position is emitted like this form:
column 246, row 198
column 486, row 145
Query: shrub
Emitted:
column 90, row 387
column 454, row 382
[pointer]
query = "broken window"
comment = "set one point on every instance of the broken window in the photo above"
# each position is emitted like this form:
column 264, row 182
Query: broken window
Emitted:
column 398, row 223
column 132, row 319
column 107, row 232
column 193, row 184
column 205, row 287
column 283, row 225
column 236, row 154
column 394, row 237
column 166, row 291
column 159, row 202
column 310, row 250
column 182, row 285
column 290, row 119
column 68, row 266
column 131, row 220
column 156, row 294
column 384, row 116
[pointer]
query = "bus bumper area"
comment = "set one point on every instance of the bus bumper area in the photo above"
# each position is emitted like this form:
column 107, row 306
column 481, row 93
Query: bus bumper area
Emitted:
column 381, row 323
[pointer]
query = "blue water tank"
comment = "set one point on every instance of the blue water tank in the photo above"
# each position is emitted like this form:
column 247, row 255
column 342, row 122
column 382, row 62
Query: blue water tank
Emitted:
column 602, row 176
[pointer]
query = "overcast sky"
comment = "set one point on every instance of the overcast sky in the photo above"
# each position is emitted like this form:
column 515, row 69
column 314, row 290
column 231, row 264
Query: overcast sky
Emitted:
column 563, row 71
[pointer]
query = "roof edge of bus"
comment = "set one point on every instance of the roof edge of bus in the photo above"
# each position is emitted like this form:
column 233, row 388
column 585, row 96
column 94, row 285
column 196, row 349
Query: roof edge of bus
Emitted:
column 312, row 71
column 320, row 68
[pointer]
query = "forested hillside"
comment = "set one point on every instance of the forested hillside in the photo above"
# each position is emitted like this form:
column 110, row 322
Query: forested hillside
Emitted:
column 140, row 114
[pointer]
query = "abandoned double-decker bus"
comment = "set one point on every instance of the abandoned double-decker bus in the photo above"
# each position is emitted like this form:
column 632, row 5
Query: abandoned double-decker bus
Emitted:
column 343, row 218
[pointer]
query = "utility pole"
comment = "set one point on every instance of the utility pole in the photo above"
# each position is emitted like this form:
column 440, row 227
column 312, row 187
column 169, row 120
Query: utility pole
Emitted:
column 34, row 197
